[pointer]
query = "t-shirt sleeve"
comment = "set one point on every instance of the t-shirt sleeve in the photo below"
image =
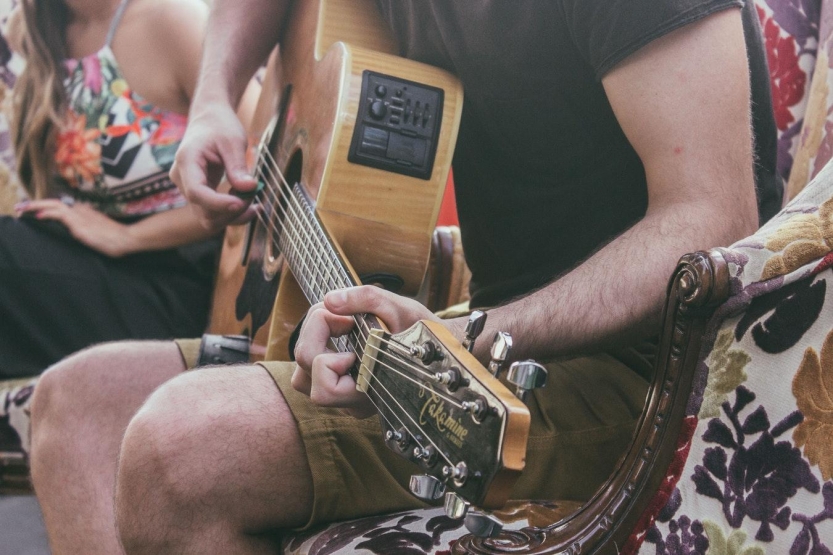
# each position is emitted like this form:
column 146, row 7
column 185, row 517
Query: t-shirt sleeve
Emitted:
column 607, row 31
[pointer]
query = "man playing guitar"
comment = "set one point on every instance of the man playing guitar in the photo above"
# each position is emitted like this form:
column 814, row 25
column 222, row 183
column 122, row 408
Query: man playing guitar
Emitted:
column 597, row 145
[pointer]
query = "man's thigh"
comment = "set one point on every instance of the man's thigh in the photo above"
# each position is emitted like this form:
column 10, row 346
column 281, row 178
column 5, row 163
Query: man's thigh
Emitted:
column 222, row 442
column 581, row 423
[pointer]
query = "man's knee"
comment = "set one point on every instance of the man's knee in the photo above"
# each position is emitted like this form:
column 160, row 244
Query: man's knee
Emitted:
column 173, row 454
column 198, row 442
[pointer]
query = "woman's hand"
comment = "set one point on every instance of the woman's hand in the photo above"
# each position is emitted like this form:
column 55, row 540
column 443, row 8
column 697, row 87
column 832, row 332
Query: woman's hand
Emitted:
column 86, row 224
column 323, row 374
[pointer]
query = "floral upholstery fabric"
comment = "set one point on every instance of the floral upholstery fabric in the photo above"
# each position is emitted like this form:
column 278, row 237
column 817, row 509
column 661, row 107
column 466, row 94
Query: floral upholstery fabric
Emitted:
column 754, row 473
column 426, row 531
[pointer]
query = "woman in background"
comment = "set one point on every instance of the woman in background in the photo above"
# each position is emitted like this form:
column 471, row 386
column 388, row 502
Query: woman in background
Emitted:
column 107, row 248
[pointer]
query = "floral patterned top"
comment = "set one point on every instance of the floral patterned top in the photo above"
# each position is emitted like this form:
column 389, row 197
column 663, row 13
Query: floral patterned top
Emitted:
column 116, row 148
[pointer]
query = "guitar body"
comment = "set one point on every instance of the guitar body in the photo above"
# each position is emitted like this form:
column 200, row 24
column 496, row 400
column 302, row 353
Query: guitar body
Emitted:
column 335, row 59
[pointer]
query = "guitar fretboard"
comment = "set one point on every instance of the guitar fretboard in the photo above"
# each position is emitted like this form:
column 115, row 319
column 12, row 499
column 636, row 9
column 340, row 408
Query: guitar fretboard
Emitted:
column 314, row 261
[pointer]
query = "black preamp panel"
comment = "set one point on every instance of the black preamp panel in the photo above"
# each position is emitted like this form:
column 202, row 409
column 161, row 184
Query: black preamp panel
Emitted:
column 397, row 125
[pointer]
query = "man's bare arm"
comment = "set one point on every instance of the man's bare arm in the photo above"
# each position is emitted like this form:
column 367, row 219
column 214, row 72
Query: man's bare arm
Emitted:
column 241, row 33
column 683, row 102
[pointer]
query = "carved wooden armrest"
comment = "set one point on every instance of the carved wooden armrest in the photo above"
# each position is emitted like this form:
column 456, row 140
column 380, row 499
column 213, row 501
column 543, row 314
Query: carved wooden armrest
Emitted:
column 447, row 278
column 604, row 524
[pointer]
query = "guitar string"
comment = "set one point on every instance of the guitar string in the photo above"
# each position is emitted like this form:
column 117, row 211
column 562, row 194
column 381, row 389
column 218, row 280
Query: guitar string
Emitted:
column 406, row 363
column 296, row 206
column 412, row 367
column 439, row 451
column 292, row 228
column 448, row 460
column 382, row 414
column 291, row 223
column 318, row 240
column 437, row 393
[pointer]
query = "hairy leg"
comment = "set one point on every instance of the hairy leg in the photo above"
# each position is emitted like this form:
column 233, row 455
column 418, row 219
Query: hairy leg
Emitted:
column 80, row 411
column 211, row 464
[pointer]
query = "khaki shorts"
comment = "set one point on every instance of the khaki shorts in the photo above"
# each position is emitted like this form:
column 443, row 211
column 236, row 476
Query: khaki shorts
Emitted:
column 582, row 421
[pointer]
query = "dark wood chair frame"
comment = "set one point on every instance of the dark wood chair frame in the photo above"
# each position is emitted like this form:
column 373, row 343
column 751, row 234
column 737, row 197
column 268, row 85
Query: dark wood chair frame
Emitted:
column 604, row 524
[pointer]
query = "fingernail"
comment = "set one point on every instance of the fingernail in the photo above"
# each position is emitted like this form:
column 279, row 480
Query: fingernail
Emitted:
column 242, row 176
column 337, row 298
column 21, row 205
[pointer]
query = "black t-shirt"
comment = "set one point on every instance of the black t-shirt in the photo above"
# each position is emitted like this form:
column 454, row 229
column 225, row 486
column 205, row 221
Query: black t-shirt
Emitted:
column 544, row 175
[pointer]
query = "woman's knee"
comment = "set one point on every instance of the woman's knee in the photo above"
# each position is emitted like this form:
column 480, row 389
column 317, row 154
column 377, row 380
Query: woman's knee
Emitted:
column 99, row 379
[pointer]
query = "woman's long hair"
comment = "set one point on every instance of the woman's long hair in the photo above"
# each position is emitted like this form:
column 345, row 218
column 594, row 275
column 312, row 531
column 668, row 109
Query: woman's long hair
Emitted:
column 39, row 97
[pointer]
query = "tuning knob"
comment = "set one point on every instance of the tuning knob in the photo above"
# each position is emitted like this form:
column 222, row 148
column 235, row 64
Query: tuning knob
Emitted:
column 501, row 345
column 478, row 523
column 526, row 375
column 426, row 487
column 474, row 327
column 455, row 506
column 483, row 525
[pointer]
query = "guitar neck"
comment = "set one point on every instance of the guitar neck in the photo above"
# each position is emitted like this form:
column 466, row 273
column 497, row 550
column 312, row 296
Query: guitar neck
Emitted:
column 316, row 263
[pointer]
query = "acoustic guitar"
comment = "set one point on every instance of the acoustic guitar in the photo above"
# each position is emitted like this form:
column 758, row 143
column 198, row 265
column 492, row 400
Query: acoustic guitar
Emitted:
column 353, row 156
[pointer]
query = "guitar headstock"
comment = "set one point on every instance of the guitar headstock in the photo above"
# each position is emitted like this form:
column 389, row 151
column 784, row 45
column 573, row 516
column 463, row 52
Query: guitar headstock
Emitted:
column 443, row 410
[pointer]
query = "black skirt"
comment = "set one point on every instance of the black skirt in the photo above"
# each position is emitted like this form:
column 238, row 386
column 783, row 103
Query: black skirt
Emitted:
column 58, row 296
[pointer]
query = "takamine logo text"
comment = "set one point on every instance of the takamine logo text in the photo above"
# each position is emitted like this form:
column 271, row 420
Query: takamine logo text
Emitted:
column 434, row 410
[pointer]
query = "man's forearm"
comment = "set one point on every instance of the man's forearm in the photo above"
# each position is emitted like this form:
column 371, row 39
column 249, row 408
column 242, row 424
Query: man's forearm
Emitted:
column 241, row 34
column 616, row 295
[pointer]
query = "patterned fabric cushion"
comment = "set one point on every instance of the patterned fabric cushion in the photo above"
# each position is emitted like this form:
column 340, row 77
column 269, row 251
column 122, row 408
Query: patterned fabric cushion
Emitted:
column 14, row 416
column 15, row 397
column 754, row 472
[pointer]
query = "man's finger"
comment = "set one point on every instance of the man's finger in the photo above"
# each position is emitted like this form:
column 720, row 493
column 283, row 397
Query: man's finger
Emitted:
column 394, row 310
column 190, row 176
column 233, row 154
column 319, row 326
column 301, row 381
column 332, row 386
column 248, row 215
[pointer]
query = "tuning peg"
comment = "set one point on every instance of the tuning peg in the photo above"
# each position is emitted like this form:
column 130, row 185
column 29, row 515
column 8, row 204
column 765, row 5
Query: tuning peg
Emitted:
column 455, row 506
column 426, row 455
column 483, row 525
column 501, row 345
column 526, row 375
column 478, row 523
column 426, row 487
column 474, row 327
